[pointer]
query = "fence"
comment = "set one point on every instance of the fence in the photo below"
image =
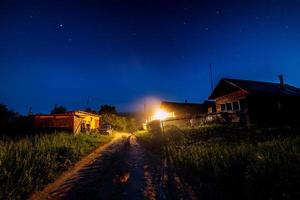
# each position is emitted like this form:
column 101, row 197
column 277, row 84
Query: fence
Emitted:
column 237, row 118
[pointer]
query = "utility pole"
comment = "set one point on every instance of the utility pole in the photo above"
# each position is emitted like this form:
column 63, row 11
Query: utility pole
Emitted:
column 211, row 77
column 30, row 111
column 145, row 112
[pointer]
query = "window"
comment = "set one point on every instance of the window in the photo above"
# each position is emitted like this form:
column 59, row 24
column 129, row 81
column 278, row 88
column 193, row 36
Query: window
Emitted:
column 229, row 106
column 235, row 105
column 223, row 107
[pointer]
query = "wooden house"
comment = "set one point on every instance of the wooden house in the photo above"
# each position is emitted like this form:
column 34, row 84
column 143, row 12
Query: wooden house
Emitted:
column 75, row 122
column 257, row 102
column 185, row 109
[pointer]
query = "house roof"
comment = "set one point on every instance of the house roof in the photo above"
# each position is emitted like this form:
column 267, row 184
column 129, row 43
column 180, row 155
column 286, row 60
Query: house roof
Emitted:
column 182, row 107
column 256, row 87
column 75, row 112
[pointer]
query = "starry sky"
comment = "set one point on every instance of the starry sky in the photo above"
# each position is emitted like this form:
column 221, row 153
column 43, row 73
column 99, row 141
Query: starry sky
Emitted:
column 94, row 52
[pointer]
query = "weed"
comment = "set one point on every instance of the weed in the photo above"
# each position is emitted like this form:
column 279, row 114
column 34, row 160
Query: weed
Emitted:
column 27, row 164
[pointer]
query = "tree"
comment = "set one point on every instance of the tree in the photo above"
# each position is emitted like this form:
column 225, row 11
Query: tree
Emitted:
column 7, row 119
column 3, row 111
column 119, row 122
column 6, row 114
column 107, row 109
column 58, row 109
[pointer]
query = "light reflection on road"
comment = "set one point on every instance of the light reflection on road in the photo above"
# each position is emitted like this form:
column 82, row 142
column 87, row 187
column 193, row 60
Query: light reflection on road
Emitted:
column 122, row 171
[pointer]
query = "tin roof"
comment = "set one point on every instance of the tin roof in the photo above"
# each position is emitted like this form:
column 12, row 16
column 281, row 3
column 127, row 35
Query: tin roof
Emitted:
column 256, row 87
column 75, row 112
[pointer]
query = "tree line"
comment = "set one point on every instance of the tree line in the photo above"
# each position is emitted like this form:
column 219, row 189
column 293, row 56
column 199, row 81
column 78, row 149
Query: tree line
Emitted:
column 12, row 123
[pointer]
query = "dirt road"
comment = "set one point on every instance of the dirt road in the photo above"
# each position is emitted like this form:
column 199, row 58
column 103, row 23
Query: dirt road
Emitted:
column 122, row 169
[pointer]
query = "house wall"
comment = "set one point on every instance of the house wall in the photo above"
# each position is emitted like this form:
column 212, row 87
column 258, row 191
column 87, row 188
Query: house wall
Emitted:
column 232, row 116
column 261, row 109
column 77, row 125
column 97, row 122
column 231, row 97
column 176, row 112
column 74, row 122
column 53, row 122
column 273, row 109
column 92, row 120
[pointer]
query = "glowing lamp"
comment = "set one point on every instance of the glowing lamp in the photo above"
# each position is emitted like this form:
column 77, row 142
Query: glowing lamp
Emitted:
column 161, row 115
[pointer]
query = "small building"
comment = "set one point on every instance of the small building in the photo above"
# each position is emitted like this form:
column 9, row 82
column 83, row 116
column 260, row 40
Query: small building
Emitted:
column 181, row 110
column 257, row 102
column 75, row 122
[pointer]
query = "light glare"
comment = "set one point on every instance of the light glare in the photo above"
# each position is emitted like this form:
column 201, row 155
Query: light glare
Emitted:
column 161, row 115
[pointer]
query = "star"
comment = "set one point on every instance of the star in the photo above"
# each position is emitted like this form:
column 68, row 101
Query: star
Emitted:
column 61, row 25
column 217, row 12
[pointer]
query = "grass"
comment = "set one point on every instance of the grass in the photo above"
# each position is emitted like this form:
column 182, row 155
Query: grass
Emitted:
column 27, row 164
column 234, row 163
column 153, row 141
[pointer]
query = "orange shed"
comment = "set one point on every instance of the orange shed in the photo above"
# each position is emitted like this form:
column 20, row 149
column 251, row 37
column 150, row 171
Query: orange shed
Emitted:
column 75, row 121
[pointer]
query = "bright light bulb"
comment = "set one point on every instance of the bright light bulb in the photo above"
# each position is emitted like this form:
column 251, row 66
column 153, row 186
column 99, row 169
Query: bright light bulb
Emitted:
column 160, row 115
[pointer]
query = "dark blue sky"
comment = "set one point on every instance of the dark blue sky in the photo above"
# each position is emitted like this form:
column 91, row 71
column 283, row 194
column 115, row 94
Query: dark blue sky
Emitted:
column 119, row 52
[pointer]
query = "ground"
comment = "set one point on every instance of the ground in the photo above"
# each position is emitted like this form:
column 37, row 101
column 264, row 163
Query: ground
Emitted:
column 122, row 169
column 209, row 162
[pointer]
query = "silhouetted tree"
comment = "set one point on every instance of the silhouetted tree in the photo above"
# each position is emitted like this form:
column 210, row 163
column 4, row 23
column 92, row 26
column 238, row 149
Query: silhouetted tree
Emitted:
column 107, row 109
column 58, row 109
column 124, row 122
column 6, row 114
column 7, row 119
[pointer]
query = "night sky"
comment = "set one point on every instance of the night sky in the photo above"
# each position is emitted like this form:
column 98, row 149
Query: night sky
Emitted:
column 89, row 53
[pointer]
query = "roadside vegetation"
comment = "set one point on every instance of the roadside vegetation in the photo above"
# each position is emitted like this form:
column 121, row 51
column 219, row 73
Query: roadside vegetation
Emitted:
column 221, row 162
column 120, row 123
column 29, row 163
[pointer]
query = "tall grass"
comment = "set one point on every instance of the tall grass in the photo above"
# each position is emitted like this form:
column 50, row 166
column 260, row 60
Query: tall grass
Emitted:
column 27, row 164
column 233, row 163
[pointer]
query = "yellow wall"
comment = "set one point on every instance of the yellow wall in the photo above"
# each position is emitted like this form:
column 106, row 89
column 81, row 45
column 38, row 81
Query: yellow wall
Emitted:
column 93, row 120
column 77, row 125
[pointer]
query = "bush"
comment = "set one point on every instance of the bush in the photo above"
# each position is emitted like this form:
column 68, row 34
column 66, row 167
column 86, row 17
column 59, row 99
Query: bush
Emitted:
column 120, row 123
